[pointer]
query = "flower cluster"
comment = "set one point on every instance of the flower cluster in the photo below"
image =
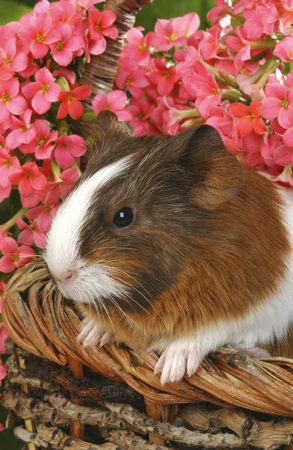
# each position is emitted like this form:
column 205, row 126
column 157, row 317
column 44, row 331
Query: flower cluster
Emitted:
column 234, row 76
column 41, row 58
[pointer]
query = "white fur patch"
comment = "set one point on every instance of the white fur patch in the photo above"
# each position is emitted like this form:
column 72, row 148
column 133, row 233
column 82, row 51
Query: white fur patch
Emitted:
column 61, row 254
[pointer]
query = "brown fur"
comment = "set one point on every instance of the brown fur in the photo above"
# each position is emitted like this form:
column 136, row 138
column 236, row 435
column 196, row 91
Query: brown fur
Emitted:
column 209, row 249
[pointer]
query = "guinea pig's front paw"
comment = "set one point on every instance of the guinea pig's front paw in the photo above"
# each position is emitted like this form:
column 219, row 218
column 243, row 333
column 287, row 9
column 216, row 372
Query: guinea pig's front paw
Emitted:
column 93, row 333
column 179, row 357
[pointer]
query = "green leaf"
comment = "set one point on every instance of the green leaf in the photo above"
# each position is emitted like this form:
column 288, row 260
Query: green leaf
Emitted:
column 12, row 11
column 167, row 9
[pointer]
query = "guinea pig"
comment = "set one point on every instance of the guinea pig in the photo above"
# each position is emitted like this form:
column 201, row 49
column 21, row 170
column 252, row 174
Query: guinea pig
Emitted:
column 169, row 243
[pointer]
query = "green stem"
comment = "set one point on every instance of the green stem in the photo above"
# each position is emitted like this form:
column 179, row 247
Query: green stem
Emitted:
column 229, row 80
column 76, row 166
column 291, row 65
column 263, row 43
column 11, row 222
column 55, row 169
column 239, row 17
column 268, row 68
column 192, row 122
column 232, row 95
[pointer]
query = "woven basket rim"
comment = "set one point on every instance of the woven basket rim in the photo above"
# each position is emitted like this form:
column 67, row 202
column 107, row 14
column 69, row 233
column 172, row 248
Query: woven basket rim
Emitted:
column 43, row 323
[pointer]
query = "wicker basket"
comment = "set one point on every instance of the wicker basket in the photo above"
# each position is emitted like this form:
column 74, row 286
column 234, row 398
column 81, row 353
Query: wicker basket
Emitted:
column 44, row 324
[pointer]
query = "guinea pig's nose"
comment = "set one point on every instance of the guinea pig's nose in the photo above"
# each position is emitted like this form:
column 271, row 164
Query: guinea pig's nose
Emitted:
column 65, row 275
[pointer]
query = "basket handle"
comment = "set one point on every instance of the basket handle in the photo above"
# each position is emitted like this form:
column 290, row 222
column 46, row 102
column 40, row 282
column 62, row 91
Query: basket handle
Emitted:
column 101, row 71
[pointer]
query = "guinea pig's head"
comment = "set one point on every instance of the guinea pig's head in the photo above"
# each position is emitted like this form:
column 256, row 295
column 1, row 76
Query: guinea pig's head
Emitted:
column 122, row 234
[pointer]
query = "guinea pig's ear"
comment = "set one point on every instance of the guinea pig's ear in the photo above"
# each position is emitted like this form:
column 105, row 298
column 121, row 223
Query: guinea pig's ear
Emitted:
column 218, row 174
column 107, row 122
column 106, row 129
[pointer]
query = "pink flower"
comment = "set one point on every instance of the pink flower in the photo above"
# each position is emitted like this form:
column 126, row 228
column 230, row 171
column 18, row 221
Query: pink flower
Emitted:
column 283, row 155
column 140, row 110
column 93, row 46
column 29, row 179
column 62, row 186
column 23, row 131
column 44, row 215
column 62, row 51
column 30, row 234
column 248, row 118
column 14, row 256
column 69, row 75
column 3, row 336
column 221, row 10
column 270, row 143
column 43, row 142
column 64, row 11
column 138, row 46
column 115, row 101
column 209, row 46
column 285, row 8
column 6, row 72
column 278, row 103
column 284, row 49
column 40, row 35
column 43, row 91
column 100, row 24
column 4, row 192
column 162, row 76
column 131, row 77
column 261, row 20
column 71, row 102
column 169, row 33
column 67, row 148
column 8, row 166
column 10, row 101
column 203, row 86
column 14, row 59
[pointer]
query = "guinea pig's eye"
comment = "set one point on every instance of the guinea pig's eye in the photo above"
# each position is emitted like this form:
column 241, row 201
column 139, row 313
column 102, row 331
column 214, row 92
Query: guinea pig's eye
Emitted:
column 123, row 218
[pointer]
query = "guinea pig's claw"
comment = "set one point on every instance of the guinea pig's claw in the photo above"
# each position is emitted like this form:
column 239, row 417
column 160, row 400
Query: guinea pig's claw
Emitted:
column 107, row 338
column 92, row 333
column 179, row 358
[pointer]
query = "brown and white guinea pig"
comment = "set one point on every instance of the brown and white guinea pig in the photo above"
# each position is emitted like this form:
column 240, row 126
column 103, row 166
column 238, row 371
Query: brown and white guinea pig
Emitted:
column 169, row 243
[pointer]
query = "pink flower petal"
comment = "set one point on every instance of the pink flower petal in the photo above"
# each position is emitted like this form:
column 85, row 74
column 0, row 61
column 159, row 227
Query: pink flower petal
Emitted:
column 25, row 187
column 63, row 157
column 40, row 104
column 44, row 76
column 4, row 113
column 62, row 57
column 11, row 87
column 270, row 107
column 288, row 138
column 53, row 93
column 6, row 265
column 38, row 49
column 244, row 125
column 99, row 102
column 75, row 109
column 31, row 89
column 8, row 246
column 283, row 155
column 20, row 62
column 17, row 105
